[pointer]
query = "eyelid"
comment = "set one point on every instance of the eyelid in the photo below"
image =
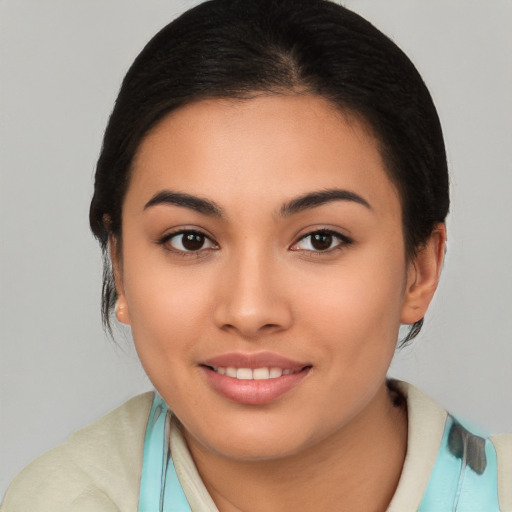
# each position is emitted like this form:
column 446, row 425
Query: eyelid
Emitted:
column 344, row 240
column 165, row 239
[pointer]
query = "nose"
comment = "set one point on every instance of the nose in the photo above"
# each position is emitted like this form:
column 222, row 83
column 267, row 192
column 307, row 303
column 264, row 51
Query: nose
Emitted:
column 251, row 299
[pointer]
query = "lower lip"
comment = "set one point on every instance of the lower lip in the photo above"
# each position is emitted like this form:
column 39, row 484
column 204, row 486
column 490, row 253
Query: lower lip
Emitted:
column 253, row 392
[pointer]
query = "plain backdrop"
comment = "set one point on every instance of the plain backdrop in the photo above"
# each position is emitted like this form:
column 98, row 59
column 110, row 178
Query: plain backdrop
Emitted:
column 61, row 65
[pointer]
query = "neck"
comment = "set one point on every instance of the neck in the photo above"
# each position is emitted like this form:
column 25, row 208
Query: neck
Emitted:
column 356, row 469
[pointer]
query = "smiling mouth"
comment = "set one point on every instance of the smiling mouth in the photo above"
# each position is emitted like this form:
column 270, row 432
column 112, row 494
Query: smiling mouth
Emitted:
column 263, row 373
column 258, row 385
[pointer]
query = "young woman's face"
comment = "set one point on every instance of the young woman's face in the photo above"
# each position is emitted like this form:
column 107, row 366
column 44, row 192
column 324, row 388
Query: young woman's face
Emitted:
column 263, row 271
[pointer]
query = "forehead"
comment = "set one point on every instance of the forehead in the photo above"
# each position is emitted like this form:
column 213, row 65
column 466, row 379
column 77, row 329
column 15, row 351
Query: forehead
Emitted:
column 270, row 147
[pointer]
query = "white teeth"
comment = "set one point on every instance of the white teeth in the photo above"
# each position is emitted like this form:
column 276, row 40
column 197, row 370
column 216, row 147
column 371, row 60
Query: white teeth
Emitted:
column 275, row 372
column 260, row 373
column 231, row 372
column 244, row 374
column 256, row 374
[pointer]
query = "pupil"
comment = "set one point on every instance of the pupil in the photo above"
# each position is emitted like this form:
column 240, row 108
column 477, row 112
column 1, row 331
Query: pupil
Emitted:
column 321, row 241
column 193, row 241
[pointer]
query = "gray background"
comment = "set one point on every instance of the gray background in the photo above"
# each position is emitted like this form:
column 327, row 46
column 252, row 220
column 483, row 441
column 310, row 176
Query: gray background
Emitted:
column 61, row 65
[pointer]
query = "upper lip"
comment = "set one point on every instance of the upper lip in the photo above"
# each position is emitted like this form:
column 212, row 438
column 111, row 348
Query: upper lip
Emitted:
column 253, row 360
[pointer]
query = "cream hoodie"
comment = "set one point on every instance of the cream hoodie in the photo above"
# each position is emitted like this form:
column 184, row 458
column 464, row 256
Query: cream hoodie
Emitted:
column 98, row 468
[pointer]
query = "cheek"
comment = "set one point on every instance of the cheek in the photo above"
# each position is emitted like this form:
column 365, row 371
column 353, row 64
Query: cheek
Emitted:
column 357, row 314
column 167, row 321
column 359, row 295
column 167, row 306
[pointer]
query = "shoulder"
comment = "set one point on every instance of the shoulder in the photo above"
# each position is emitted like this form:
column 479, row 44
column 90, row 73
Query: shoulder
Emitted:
column 449, row 460
column 97, row 468
column 503, row 445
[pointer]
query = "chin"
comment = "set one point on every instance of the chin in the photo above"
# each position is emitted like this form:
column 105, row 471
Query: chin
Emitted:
column 262, row 439
column 256, row 450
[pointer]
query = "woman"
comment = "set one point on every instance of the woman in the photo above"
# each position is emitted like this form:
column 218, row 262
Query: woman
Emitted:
column 271, row 195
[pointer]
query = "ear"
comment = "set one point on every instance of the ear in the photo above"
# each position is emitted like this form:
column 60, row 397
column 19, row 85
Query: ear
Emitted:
column 122, row 312
column 423, row 274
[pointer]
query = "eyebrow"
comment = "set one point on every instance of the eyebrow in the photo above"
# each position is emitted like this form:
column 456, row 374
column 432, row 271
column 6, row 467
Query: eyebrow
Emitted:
column 314, row 199
column 198, row 204
column 297, row 205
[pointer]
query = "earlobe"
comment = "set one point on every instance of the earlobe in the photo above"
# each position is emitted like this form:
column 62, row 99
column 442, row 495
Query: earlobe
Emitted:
column 423, row 276
column 121, row 308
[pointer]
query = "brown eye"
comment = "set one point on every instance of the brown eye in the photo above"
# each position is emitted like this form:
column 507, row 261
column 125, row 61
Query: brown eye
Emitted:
column 190, row 241
column 321, row 241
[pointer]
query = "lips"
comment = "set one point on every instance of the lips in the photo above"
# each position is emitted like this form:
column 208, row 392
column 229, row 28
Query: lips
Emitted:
column 253, row 379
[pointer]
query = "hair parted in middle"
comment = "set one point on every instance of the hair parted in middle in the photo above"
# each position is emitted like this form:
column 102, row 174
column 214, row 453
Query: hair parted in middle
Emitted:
column 244, row 48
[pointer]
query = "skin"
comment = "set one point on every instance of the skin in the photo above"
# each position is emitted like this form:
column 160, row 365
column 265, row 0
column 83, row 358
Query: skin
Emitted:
column 334, row 441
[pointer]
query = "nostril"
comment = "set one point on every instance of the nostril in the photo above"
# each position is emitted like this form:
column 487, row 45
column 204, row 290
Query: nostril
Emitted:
column 251, row 316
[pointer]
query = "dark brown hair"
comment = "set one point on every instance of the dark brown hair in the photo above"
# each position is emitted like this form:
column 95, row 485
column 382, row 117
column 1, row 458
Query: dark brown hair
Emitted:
column 234, row 48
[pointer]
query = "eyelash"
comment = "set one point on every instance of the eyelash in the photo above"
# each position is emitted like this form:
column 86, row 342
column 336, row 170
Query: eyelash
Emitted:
column 343, row 241
column 165, row 241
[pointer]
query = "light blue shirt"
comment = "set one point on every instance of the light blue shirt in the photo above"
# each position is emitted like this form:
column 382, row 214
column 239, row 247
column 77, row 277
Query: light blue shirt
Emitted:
column 464, row 478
